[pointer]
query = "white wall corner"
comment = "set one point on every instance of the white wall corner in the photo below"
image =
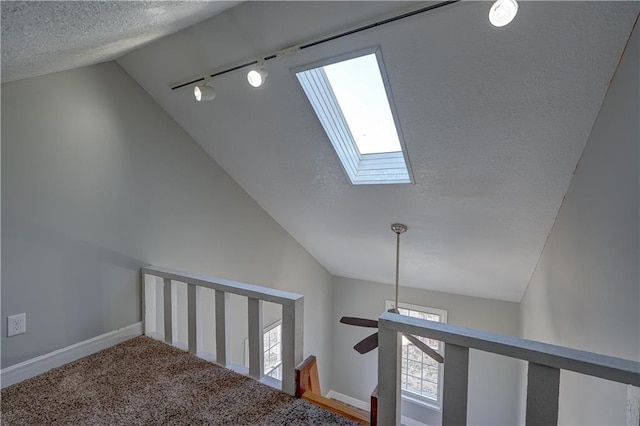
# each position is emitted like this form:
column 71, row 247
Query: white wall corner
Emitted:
column 30, row 368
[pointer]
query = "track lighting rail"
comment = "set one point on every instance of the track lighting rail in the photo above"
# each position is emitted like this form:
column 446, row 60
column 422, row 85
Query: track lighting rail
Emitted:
column 321, row 41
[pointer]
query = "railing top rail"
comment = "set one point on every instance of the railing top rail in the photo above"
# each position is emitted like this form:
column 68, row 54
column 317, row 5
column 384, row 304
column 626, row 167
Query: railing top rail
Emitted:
column 603, row 366
column 257, row 292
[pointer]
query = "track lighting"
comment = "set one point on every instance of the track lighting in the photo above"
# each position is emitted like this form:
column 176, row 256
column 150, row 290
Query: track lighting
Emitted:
column 257, row 76
column 204, row 92
column 502, row 12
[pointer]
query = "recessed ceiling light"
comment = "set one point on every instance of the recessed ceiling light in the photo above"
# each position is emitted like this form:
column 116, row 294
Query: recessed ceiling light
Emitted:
column 502, row 12
column 204, row 92
column 257, row 76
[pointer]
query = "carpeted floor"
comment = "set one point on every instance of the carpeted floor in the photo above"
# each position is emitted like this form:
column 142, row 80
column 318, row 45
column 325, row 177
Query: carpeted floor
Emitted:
column 146, row 382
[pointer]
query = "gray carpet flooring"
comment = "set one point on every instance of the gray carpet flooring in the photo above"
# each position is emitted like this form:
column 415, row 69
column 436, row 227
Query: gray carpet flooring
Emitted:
column 146, row 382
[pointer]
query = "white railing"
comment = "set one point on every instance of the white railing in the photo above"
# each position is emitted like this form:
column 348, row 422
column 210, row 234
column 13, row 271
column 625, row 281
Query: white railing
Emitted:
column 292, row 318
column 545, row 362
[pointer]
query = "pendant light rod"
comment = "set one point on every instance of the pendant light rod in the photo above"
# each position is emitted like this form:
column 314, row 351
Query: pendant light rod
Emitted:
column 397, row 268
column 322, row 41
column 398, row 228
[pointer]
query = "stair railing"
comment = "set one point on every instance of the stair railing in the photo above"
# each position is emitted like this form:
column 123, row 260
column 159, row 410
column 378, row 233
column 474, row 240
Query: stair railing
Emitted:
column 544, row 364
column 292, row 318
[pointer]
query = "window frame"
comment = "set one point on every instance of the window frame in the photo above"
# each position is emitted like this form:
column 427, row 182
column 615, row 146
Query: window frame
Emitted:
column 434, row 404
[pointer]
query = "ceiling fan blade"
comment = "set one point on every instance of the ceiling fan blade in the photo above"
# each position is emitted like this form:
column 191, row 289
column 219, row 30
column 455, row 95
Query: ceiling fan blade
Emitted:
column 424, row 348
column 367, row 344
column 360, row 322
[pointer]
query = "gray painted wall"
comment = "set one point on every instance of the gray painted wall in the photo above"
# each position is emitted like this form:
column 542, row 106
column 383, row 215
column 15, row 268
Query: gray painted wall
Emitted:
column 585, row 292
column 492, row 378
column 97, row 180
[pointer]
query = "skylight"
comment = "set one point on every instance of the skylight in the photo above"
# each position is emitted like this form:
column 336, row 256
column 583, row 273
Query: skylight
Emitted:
column 352, row 103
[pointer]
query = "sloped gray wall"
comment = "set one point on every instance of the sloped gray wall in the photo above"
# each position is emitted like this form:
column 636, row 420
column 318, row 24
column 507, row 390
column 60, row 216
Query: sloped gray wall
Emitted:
column 585, row 292
column 97, row 180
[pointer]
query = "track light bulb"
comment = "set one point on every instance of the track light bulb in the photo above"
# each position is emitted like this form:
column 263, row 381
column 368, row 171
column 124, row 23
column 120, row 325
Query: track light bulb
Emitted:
column 502, row 12
column 204, row 92
column 257, row 76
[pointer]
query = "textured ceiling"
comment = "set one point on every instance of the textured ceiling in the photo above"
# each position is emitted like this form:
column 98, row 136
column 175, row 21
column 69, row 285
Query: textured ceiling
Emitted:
column 40, row 37
column 494, row 122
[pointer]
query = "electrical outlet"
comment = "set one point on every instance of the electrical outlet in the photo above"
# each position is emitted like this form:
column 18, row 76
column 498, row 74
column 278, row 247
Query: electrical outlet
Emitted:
column 16, row 324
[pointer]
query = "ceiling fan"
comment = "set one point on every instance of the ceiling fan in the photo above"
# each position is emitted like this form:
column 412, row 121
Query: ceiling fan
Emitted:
column 369, row 343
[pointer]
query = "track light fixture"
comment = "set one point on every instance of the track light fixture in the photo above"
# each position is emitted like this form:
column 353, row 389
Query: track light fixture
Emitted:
column 258, row 75
column 502, row 12
column 204, row 92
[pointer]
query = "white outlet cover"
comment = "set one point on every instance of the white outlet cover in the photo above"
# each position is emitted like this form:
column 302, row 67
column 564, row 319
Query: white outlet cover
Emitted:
column 16, row 324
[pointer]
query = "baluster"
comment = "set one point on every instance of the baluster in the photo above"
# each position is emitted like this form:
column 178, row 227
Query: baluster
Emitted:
column 543, row 391
column 168, row 330
column 456, row 378
column 221, row 328
column 292, row 343
column 159, row 304
column 256, row 339
column 388, row 376
column 633, row 405
column 146, row 308
column 149, row 303
column 191, row 318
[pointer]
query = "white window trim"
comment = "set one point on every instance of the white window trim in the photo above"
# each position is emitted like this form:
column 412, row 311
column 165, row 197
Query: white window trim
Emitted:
column 410, row 396
column 362, row 169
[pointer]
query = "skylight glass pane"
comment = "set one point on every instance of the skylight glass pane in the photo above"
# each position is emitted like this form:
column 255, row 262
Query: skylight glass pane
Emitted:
column 357, row 85
column 352, row 104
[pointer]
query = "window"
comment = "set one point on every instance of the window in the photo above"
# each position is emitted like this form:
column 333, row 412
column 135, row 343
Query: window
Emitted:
column 273, row 351
column 352, row 100
column 421, row 376
column 272, row 364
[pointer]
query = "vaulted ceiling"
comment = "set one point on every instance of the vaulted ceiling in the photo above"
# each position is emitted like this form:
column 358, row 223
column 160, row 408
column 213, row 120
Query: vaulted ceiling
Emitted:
column 494, row 121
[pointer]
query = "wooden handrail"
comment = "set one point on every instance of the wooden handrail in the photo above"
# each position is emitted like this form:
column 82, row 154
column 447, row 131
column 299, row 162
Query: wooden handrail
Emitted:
column 374, row 407
column 307, row 378
column 308, row 388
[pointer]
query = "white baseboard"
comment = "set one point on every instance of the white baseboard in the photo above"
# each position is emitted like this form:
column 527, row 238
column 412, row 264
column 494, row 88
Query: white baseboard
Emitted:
column 30, row 368
column 405, row 421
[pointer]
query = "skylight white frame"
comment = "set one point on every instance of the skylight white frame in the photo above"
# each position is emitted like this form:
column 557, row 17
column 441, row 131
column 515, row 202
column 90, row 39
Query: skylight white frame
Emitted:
column 362, row 169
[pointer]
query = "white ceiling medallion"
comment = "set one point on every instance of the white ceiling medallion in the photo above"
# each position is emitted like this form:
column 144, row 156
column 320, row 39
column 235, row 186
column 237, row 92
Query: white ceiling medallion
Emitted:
column 502, row 12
